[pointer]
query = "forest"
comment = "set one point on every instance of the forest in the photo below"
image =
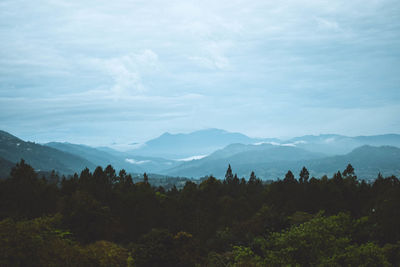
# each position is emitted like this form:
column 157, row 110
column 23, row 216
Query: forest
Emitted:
column 103, row 218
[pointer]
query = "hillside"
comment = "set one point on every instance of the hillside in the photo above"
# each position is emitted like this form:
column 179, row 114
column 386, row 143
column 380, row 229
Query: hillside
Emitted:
column 119, row 160
column 5, row 167
column 41, row 157
column 98, row 157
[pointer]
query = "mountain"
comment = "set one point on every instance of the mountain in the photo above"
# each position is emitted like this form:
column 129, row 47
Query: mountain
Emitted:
column 205, row 142
column 98, row 157
column 119, row 160
column 272, row 162
column 334, row 144
column 244, row 158
column 367, row 160
column 39, row 156
column 210, row 151
column 181, row 146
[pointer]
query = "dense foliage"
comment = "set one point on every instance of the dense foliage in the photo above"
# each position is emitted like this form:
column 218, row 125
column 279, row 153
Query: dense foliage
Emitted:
column 104, row 219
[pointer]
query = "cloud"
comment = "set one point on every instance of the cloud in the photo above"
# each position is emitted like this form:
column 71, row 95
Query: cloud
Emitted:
column 327, row 24
column 126, row 72
column 68, row 68
column 212, row 56
column 193, row 158
column 137, row 162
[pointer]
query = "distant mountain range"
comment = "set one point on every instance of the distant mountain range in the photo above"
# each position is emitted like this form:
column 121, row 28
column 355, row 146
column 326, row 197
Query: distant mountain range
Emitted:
column 210, row 151
column 244, row 158
column 333, row 144
column 272, row 162
column 95, row 156
column 203, row 142
column 119, row 160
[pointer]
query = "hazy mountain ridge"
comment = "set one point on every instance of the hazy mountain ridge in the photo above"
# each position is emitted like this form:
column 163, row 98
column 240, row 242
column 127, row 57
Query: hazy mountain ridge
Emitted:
column 243, row 157
column 246, row 156
column 98, row 157
column 270, row 158
column 367, row 160
column 273, row 163
column 334, row 144
column 203, row 142
column 39, row 156
column 119, row 160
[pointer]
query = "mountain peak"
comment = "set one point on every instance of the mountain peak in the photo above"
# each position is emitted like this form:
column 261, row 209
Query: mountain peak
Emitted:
column 183, row 145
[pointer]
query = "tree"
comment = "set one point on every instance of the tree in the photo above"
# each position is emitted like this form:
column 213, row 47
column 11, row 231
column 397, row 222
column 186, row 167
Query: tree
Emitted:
column 253, row 178
column 368, row 254
column 229, row 174
column 104, row 253
column 41, row 242
column 235, row 179
column 310, row 243
column 110, row 174
column 289, row 177
column 304, row 175
column 155, row 249
column 349, row 174
column 123, row 181
column 337, row 177
column 25, row 195
column 24, row 173
column 349, row 171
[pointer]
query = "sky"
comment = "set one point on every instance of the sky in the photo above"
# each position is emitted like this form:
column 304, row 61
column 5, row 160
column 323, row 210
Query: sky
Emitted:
column 102, row 72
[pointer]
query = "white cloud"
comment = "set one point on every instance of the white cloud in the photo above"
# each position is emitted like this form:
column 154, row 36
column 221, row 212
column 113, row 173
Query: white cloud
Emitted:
column 212, row 56
column 126, row 72
column 329, row 140
column 327, row 24
column 276, row 144
column 137, row 162
column 192, row 158
column 289, row 144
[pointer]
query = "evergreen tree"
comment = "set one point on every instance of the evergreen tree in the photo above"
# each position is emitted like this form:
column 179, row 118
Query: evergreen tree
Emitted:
column 253, row 178
column 289, row 177
column 145, row 178
column 304, row 175
column 349, row 172
column 229, row 174
column 235, row 179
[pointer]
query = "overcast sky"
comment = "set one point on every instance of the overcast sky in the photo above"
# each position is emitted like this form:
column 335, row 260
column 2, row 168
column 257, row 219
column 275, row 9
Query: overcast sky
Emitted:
column 99, row 72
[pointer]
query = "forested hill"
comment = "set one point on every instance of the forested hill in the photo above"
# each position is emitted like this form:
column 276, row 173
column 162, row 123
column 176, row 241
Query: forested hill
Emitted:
column 104, row 219
column 40, row 157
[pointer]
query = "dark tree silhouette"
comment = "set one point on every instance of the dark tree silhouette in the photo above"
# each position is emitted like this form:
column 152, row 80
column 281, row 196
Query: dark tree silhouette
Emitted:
column 289, row 177
column 304, row 175
column 229, row 174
